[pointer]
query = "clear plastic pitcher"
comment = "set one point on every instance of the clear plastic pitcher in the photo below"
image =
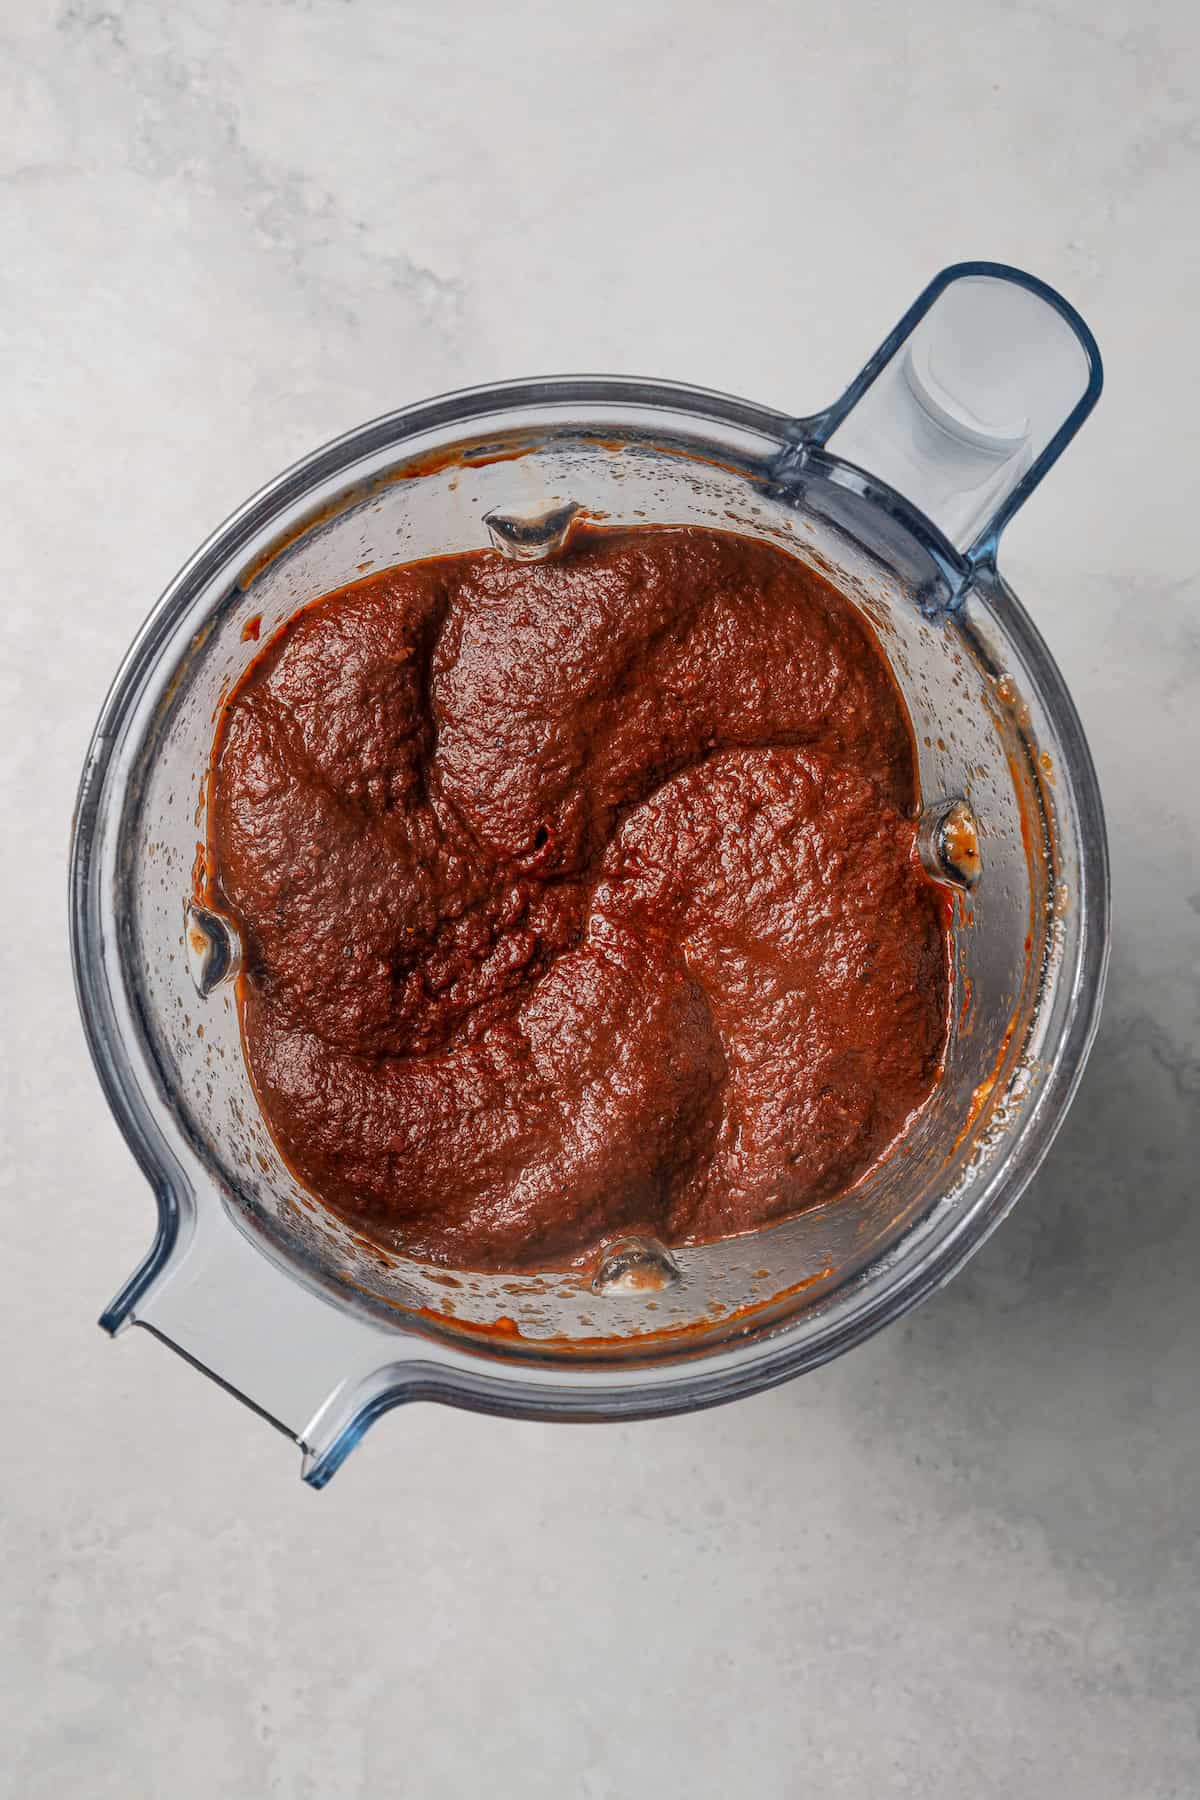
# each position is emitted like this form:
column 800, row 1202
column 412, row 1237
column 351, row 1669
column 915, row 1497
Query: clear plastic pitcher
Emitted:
column 898, row 493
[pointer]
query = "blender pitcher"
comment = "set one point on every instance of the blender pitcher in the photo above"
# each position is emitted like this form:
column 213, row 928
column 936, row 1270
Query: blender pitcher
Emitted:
column 898, row 494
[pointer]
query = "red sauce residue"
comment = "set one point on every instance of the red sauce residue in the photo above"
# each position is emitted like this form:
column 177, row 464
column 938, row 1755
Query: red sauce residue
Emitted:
column 457, row 457
column 961, row 844
column 1029, row 771
column 964, row 1011
column 1010, row 695
column 579, row 896
column 983, row 1092
column 251, row 628
column 201, row 874
column 637, row 1343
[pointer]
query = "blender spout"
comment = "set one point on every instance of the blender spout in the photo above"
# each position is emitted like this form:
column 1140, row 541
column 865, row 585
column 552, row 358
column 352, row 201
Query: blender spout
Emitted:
column 288, row 1350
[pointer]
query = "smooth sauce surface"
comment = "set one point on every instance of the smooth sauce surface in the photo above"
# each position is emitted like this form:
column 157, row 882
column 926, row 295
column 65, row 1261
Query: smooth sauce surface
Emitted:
column 579, row 897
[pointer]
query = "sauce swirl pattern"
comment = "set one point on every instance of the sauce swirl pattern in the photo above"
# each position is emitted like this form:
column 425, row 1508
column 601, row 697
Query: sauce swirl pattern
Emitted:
column 579, row 896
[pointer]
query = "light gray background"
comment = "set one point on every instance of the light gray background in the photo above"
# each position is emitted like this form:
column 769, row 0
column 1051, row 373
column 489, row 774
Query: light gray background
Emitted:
column 961, row 1562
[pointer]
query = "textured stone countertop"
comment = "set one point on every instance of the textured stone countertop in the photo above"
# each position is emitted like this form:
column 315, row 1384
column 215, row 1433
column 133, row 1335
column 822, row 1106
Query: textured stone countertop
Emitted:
column 962, row 1561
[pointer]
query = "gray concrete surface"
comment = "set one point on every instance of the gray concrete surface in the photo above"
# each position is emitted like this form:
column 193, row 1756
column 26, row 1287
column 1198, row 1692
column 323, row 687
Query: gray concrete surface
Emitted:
column 961, row 1562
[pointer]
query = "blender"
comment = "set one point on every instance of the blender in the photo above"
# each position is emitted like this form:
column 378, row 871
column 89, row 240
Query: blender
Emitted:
column 898, row 494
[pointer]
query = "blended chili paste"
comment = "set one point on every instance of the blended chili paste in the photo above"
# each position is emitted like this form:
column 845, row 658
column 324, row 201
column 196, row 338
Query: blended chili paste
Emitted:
column 579, row 897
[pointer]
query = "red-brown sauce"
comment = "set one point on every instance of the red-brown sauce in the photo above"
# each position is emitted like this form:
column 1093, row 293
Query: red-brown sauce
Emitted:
column 579, row 896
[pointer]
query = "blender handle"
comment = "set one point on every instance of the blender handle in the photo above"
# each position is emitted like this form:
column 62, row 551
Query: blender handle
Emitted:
column 967, row 403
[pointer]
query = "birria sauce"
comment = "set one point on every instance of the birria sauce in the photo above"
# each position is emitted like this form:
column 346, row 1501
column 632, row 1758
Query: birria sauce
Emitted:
column 579, row 896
